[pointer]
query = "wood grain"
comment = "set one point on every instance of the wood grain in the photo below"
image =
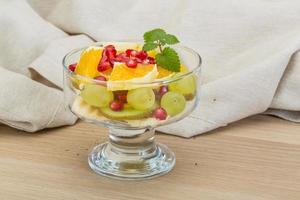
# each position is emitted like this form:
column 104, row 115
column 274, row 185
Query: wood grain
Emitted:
column 253, row 159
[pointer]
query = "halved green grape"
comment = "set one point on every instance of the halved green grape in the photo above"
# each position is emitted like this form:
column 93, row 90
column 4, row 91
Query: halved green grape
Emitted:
column 96, row 95
column 185, row 86
column 126, row 114
column 173, row 103
column 141, row 98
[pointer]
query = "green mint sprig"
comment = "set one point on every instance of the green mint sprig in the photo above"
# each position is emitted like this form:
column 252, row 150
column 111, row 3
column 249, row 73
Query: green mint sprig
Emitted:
column 168, row 57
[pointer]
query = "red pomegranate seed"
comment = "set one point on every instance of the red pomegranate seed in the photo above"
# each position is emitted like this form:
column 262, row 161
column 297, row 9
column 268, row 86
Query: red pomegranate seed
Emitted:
column 111, row 54
column 118, row 58
column 146, row 61
column 104, row 66
column 72, row 67
column 151, row 60
column 116, row 105
column 131, row 63
column 142, row 55
column 128, row 52
column 104, row 57
column 100, row 78
column 133, row 53
column 162, row 90
column 110, row 47
column 137, row 60
column 112, row 62
column 160, row 114
column 121, row 58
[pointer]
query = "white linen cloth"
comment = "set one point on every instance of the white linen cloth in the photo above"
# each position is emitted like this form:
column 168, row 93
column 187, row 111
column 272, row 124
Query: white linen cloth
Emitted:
column 249, row 48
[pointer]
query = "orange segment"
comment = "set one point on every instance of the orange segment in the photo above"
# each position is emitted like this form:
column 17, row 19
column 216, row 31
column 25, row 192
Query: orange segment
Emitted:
column 162, row 72
column 121, row 72
column 125, row 78
column 88, row 63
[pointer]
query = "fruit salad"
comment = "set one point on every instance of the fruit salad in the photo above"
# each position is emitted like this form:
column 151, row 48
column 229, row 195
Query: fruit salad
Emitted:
column 132, row 84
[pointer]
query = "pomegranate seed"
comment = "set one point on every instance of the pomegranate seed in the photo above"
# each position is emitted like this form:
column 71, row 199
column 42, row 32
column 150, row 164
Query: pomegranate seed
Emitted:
column 116, row 105
column 151, row 60
column 104, row 66
column 146, row 61
column 133, row 53
column 131, row 63
column 121, row 96
column 72, row 67
column 137, row 60
column 142, row 55
column 104, row 57
column 111, row 54
column 160, row 114
column 100, row 78
column 118, row 58
column 105, row 63
column 121, row 58
column 110, row 47
column 128, row 52
column 162, row 90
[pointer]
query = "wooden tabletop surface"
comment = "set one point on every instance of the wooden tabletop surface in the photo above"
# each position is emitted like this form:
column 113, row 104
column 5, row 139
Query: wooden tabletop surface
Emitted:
column 253, row 159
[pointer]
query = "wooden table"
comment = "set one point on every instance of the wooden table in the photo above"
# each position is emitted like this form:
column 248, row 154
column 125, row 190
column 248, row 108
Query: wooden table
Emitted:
column 256, row 158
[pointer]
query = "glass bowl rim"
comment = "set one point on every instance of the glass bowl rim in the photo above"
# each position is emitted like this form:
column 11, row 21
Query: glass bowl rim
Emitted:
column 159, row 81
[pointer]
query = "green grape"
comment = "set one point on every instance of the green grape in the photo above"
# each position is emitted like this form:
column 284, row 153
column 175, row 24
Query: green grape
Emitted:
column 185, row 86
column 96, row 95
column 126, row 114
column 173, row 103
column 141, row 98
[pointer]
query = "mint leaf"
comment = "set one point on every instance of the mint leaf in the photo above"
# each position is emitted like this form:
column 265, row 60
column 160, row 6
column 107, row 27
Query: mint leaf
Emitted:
column 168, row 59
column 150, row 46
column 171, row 39
column 154, row 35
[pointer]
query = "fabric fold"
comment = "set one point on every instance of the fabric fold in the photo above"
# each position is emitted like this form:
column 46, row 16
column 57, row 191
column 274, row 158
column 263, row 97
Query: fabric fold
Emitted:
column 250, row 53
column 30, row 106
column 49, row 64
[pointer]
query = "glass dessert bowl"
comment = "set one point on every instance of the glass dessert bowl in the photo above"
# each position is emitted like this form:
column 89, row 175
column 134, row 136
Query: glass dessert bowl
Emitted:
column 131, row 99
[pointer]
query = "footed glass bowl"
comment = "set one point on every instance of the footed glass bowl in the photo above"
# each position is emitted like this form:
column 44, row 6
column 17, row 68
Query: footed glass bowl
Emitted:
column 131, row 152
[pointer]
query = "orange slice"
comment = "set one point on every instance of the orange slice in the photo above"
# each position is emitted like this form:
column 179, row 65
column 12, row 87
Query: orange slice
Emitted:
column 88, row 62
column 164, row 73
column 124, row 78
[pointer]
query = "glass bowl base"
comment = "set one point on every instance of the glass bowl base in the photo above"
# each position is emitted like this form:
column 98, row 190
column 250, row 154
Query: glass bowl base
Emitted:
column 105, row 160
